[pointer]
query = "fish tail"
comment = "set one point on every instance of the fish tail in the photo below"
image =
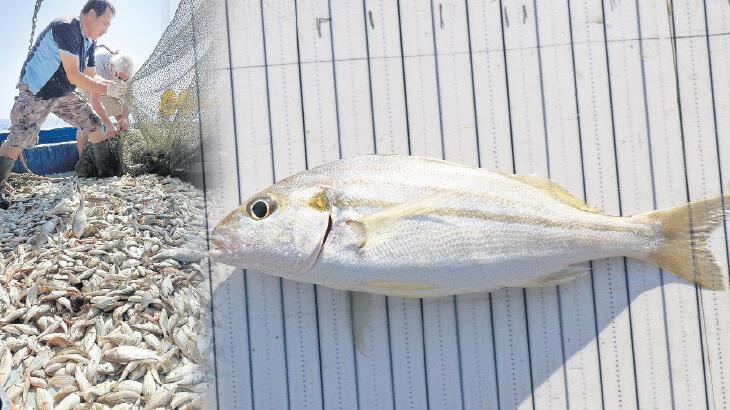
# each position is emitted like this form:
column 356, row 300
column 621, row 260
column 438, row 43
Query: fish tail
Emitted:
column 686, row 229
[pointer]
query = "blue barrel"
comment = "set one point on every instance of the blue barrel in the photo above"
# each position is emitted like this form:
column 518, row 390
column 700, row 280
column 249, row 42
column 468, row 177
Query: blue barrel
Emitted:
column 55, row 153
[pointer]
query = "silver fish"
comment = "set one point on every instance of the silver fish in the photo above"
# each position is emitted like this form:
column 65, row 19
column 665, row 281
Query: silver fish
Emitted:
column 419, row 227
column 43, row 399
column 69, row 402
column 49, row 227
column 80, row 218
column 161, row 397
column 180, row 254
column 6, row 362
column 126, row 354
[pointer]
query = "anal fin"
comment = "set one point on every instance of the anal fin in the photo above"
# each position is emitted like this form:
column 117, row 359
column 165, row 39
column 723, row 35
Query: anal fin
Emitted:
column 401, row 289
column 361, row 311
column 559, row 277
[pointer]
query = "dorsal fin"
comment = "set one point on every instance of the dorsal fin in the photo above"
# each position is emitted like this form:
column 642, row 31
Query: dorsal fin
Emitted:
column 555, row 190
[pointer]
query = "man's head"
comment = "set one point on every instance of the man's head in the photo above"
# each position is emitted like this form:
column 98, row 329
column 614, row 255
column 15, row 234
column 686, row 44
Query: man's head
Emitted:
column 96, row 16
column 121, row 66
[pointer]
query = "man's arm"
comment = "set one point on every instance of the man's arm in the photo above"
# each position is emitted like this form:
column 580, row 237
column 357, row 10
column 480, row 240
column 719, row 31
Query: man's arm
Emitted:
column 71, row 67
column 96, row 104
column 123, row 120
column 91, row 72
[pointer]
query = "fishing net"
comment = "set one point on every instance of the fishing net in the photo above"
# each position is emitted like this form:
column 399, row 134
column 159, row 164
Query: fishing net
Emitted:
column 164, row 100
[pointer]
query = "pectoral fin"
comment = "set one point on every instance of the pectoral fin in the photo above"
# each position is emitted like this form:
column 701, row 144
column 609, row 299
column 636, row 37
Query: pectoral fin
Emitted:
column 559, row 277
column 371, row 225
column 555, row 190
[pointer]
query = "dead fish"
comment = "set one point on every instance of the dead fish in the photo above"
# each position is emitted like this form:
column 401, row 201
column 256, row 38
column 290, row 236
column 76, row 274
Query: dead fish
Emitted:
column 60, row 380
column 49, row 227
column 182, row 398
column 130, row 385
column 126, row 354
column 68, row 402
column 102, row 388
column 79, row 220
column 181, row 255
column 6, row 363
column 161, row 397
column 40, row 360
column 19, row 329
column 119, row 397
column 179, row 372
column 148, row 386
column 14, row 314
column 43, row 399
column 420, row 227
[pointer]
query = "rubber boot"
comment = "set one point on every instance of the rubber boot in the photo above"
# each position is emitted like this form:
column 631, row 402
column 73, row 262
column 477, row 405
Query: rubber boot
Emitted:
column 115, row 152
column 102, row 159
column 6, row 164
column 86, row 165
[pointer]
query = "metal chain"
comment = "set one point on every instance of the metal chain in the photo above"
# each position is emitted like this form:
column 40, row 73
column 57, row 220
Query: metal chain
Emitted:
column 35, row 20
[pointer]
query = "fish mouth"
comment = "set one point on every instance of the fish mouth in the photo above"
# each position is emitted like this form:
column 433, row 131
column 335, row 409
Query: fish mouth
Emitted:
column 217, row 243
column 218, row 249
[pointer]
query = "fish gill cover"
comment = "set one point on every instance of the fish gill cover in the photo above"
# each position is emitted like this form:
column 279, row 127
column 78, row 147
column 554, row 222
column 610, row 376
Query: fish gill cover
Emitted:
column 164, row 99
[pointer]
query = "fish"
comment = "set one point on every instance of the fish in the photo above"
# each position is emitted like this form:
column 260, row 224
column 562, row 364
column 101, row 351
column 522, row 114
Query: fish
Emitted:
column 69, row 402
column 420, row 227
column 161, row 397
column 126, row 354
column 44, row 400
column 49, row 227
column 180, row 254
column 79, row 219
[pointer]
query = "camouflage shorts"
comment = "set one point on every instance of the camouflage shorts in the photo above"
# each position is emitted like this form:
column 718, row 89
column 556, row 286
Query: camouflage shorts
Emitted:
column 29, row 112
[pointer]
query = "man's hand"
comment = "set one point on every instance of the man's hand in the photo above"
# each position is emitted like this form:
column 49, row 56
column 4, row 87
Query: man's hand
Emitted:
column 116, row 89
column 123, row 124
column 111, row 131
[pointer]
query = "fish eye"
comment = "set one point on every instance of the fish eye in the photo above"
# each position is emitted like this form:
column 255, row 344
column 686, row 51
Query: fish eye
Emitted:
column 260, row 208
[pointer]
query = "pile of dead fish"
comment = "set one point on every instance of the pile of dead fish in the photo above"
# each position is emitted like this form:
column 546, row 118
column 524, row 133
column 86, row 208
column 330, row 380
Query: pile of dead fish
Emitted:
column 104, row 294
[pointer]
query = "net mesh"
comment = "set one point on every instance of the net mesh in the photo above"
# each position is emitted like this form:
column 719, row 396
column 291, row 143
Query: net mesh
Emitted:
column 164, row 100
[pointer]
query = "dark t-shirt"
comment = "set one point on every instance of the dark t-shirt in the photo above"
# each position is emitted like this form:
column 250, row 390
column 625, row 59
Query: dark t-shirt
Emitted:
column 43, row 71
